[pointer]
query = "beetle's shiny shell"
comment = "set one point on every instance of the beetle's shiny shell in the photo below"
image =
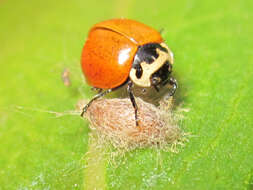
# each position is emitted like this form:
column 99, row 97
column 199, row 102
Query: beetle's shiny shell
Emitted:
column 110, row 49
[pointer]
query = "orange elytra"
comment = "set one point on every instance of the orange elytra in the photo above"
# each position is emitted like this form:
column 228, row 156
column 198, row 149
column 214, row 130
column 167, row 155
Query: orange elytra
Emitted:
column 120, row 51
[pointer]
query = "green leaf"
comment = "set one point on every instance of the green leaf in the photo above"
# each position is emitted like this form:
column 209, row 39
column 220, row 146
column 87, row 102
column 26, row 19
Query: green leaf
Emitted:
column 213, row 46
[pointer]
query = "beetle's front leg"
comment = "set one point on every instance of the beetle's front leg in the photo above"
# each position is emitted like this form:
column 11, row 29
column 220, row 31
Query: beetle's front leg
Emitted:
column 173, row 83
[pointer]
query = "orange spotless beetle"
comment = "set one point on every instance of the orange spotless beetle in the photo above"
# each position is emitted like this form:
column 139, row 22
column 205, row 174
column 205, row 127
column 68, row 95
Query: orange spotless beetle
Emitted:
column 121, row 51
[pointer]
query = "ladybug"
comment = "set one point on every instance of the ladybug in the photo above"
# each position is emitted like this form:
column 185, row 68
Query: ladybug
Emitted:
column 124, row 51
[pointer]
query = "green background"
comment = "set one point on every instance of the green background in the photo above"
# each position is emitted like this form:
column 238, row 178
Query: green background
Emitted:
column 213, row 46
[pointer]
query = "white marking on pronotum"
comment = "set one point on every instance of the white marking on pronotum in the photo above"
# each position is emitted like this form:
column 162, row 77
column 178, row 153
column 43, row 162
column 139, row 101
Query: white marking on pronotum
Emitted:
column 171, row 55
column 149, row 69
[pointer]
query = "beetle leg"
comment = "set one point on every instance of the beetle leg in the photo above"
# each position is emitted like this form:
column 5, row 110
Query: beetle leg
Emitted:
column 156, row 88
column 99, row 95
column 173, row 83
column 161, row 30
column 131, row 95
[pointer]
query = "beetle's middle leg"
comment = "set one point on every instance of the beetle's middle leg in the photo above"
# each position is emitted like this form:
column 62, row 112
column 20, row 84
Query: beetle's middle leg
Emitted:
column 131, row 95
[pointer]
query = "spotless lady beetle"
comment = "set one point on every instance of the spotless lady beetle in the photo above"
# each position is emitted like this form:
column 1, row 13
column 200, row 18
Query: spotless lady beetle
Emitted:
column 121, row 51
